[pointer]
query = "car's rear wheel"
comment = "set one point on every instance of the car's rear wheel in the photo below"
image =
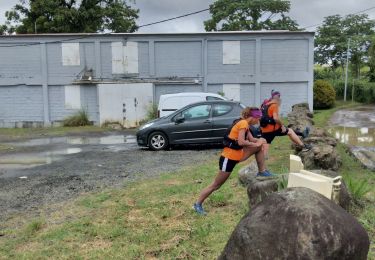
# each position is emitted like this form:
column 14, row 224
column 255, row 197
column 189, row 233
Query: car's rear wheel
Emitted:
column 158, row 141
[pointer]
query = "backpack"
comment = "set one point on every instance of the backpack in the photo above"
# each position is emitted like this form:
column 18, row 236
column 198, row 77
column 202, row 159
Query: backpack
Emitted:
column 265, row 119
column 230, row 143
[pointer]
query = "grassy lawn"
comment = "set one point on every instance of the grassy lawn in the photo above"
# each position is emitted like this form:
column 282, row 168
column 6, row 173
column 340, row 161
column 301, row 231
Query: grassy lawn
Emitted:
column 153, row 219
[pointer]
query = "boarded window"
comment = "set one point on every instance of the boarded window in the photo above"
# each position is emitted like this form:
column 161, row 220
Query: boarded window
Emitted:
column 70, row 54
column 231, row 52
column 72, row 97
column 124, row 58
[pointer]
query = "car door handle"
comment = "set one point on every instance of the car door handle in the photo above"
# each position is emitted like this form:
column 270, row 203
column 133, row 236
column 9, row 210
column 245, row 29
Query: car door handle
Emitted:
column 207, row 121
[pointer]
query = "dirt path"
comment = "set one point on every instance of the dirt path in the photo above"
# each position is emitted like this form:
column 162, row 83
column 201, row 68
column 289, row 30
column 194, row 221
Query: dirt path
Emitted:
column 93, row 166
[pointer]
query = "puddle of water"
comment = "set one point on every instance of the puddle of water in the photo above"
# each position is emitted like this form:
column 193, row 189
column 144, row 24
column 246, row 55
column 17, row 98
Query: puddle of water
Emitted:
column 354, row 136
column 105, row 140
column 28, row 160
column 113, row 143
column 359, row 117
column 356, row 128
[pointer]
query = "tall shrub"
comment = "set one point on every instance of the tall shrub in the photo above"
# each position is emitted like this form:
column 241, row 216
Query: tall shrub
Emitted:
column 324, row 94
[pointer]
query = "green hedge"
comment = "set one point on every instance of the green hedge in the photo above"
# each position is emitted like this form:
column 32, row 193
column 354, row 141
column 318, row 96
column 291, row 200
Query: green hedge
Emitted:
column 324, row 94
column 364, row 91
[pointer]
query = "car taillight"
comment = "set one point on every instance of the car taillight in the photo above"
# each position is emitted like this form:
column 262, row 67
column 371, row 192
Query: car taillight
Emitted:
column 158, row 113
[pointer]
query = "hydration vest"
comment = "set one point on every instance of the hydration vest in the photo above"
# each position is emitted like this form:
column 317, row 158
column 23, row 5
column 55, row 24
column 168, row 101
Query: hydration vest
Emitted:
column 266, row 119
column 229, row 142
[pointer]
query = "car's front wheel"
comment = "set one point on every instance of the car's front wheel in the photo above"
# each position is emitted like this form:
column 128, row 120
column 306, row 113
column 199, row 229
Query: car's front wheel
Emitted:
column 158, row 141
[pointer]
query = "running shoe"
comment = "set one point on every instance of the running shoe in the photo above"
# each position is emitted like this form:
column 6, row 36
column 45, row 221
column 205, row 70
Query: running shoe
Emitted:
column 199, row 209
column 265, row 174
column 307, row 147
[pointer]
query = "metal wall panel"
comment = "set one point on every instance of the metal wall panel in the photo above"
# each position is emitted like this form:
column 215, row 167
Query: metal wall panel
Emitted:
column 21, row 103
column 143, row 59
column 20, row 65
column 183, row 59
column 248, row 95
column 215, row 59
column 280, row 56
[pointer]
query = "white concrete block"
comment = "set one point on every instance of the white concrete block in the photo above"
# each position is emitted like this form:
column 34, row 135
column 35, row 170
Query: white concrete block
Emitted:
column 295, row 164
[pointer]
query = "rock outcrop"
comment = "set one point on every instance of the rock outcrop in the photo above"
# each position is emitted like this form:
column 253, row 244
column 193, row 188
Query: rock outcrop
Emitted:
column 323, row 155
column 297, row 223
column 248, row 172
column 259, row 189
column 300, row 117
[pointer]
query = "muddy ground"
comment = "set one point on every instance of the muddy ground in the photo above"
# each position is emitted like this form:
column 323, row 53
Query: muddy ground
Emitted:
column 39, row 172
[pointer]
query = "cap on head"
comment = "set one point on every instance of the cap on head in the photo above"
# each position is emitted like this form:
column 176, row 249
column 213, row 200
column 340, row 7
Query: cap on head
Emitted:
column 275, row 93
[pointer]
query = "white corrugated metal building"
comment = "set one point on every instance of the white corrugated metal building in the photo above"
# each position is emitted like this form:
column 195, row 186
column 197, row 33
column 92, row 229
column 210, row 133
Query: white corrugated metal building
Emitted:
column 115, row 77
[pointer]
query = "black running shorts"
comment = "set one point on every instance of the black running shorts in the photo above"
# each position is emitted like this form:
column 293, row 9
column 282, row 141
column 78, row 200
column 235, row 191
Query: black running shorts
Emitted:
column 271, row 135
column 226, row 165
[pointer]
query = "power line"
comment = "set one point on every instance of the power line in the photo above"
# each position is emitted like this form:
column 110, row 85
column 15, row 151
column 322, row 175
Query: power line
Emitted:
column 162, row 21
column 174, row 18
column 362, row 11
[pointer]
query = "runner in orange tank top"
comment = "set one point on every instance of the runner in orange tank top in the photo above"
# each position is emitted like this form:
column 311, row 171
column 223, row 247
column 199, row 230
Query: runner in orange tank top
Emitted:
column 230, row 157
column 277, row 128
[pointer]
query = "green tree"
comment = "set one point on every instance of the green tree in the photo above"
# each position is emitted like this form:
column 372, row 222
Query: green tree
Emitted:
column 371, row 60
column 229, row 15
column 332, row 39
column 3, row 29
column 71, row 16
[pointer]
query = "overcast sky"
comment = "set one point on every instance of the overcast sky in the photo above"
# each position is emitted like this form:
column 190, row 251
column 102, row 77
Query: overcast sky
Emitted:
column 305, row 12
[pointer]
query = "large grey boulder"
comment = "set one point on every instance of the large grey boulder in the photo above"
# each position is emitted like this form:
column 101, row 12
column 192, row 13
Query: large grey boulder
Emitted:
column 297, row 223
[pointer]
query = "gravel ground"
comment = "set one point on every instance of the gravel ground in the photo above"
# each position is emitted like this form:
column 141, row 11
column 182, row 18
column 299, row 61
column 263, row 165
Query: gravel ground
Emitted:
column 95, row 168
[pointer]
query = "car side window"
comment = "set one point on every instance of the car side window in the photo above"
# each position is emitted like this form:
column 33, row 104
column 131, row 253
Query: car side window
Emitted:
column 197, row 112
column 221, row 109
column 211, row 98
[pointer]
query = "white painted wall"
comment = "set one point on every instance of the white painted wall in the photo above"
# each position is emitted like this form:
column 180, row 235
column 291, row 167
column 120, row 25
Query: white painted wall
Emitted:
column 124, row 103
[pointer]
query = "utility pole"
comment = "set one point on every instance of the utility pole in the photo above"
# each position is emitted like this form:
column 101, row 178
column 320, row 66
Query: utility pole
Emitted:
column 346, row 70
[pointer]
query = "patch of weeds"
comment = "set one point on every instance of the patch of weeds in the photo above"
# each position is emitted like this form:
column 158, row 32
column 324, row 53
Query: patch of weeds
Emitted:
column 80, row 118
column 202, row 231
column 84, row 227
column 282, row 183
column 151, row 113
column 58, row 234
column 95, row 201
column 358, row 188
column 34, row 226
column 219, row 199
